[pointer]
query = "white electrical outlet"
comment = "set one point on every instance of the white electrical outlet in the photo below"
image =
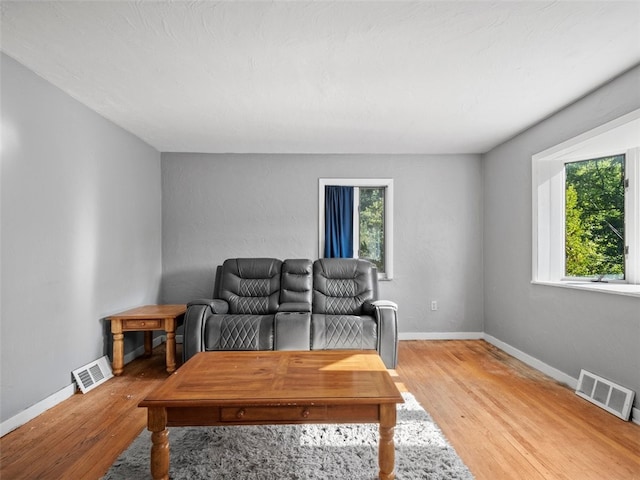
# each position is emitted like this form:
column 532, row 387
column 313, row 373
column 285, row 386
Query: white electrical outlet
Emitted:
column 434, row 305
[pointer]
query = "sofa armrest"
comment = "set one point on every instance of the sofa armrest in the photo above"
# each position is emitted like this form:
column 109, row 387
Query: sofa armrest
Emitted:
column 369, row 307
column 295, row 307
column 194, row 322
column 386, row 314
column 216, row 305
column 384, row 304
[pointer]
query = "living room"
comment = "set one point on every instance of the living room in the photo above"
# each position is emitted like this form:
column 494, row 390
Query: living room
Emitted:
column 99, row 216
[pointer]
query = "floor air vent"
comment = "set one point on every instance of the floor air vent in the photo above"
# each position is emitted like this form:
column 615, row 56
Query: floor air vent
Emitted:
column 606, row 394
column 93, row 374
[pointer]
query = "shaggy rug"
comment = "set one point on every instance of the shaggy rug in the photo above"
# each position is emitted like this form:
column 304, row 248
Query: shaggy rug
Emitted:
column 299, row 452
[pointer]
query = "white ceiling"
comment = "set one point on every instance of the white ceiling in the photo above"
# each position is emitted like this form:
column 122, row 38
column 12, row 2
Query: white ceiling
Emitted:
column 324, row 77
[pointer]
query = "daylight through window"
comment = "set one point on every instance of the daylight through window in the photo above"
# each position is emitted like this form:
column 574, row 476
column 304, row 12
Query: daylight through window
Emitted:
column 594, row 218
column 370, row 225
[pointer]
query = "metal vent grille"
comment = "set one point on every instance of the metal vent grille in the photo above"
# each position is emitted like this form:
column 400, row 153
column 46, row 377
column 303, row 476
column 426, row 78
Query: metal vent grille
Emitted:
column 93, row 374
column 606, row 394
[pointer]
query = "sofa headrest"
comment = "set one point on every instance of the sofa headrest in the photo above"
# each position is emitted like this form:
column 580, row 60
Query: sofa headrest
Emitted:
column 296, row 284
column 251, row 285
column 342, row 285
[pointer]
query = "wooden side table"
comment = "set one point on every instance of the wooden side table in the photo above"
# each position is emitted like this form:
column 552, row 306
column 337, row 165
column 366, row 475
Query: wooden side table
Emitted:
column 146, row 319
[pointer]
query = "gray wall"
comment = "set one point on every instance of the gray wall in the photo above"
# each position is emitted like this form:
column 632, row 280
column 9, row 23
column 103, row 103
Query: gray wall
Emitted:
column 81, row 234
column 221, row 206
column 84, row 235
column 567, row 329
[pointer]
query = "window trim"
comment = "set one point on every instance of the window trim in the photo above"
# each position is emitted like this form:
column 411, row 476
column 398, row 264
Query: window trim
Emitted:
column 548, row 222
column 387, row 183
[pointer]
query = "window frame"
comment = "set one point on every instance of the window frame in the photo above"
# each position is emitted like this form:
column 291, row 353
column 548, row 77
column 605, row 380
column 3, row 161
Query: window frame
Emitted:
column 387, row 184
column 619, row 136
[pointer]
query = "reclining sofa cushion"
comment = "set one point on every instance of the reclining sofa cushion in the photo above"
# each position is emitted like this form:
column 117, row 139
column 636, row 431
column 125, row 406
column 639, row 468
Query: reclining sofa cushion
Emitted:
column 342, row 313
column 251, row 289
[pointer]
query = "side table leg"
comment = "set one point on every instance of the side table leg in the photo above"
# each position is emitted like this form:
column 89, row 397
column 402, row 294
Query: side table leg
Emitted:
column 157, row 424
column 148, row 343
column 170, row 328
column 386, row 449
column 118, row 346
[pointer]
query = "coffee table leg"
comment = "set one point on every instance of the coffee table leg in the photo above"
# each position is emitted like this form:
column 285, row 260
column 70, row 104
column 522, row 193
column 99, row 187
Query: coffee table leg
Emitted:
column 157, row 424
column 386, row 449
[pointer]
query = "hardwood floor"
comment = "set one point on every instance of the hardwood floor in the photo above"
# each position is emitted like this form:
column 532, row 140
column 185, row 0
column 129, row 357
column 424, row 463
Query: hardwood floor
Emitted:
column 509, row 421
column 506, row 420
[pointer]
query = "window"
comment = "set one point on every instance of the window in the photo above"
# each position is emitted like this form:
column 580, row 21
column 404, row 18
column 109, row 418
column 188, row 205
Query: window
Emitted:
column 372, row 220
column 370, row 224
column 594, row 218
column 586, row 210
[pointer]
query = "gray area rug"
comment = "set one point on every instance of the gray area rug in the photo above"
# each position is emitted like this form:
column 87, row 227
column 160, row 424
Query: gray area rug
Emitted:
column 298, row 452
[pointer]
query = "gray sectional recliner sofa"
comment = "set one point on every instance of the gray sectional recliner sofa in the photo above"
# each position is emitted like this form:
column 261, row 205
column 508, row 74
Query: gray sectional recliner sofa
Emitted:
column 298, row 304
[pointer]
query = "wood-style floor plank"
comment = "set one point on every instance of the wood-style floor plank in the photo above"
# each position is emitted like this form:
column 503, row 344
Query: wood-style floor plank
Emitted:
column 505, row 420
column 81, row 437
column 509, row 421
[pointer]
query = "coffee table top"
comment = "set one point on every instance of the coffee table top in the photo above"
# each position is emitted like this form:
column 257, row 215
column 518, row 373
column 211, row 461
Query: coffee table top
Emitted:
column 221, row 378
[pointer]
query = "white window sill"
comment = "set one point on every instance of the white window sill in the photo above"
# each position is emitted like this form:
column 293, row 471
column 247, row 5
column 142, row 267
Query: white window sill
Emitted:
column 614, row 288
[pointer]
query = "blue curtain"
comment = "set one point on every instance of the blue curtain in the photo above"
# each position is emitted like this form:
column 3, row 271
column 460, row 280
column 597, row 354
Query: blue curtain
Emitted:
column 338, row 222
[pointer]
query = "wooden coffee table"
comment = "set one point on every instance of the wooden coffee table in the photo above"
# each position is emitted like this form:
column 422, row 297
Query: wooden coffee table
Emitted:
column 146, row 319
column 281, row 387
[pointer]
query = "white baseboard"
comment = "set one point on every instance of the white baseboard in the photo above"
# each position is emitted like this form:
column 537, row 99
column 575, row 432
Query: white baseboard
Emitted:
column 533, row 362
column 440, row 336
column 635, row 415
column 32, row 412
column 52, row 400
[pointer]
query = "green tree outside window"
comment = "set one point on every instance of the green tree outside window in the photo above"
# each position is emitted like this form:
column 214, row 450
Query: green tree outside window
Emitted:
column 594, row 218
column 371, row 239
